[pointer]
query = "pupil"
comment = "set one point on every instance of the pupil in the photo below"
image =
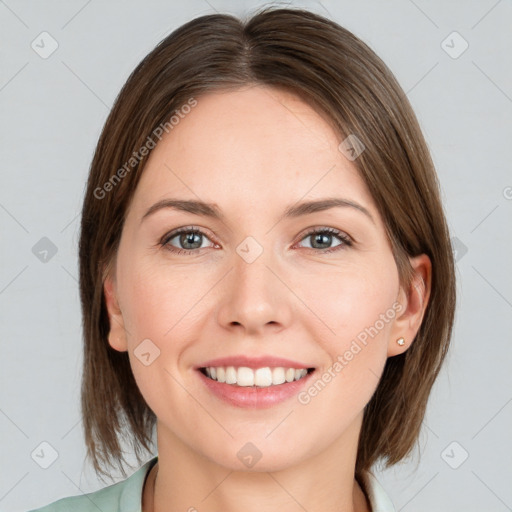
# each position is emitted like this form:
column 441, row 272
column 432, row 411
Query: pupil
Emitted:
column 322, row 238
column 188, row 238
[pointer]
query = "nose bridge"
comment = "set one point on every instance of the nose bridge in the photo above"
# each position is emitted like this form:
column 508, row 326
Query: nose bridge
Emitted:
column 253, row 296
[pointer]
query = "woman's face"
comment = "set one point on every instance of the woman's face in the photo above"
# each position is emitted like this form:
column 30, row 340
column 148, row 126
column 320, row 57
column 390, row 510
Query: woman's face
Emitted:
column 254, row 286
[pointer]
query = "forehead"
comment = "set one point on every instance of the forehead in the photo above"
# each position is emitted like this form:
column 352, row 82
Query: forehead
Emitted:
column 256, row 147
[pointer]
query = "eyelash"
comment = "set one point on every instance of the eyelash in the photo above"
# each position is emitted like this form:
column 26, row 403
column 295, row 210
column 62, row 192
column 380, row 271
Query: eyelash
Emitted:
column 345, row 239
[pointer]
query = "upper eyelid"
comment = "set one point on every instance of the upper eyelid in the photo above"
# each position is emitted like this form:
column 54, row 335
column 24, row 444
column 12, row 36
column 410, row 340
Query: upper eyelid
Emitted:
column 167, row 237
column 321, row 229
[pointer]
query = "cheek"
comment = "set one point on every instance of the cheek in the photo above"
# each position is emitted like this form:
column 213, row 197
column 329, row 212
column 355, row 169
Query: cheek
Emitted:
column 158, row 311
column 351, row 298
column 158, row 299
column 356, row 304
column 165, row 305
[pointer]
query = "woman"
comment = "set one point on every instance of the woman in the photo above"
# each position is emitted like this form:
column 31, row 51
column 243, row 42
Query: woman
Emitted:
column 265, row 270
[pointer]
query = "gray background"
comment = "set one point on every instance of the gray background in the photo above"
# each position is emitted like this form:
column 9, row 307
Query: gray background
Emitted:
column 52, row 111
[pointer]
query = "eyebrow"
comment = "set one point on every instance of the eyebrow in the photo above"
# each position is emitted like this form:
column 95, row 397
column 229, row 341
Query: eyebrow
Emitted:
column 296, row 210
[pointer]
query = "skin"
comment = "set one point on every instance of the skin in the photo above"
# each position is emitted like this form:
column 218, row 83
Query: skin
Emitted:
column 254, row 152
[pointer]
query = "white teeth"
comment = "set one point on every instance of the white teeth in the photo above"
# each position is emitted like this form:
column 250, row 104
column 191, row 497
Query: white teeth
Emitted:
column 230, row 375
column 245, row 376
column 221, row 374
column 278, row 376
column 261, row 377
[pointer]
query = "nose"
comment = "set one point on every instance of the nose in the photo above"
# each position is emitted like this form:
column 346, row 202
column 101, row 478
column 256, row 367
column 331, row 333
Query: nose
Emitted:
column 254, row 298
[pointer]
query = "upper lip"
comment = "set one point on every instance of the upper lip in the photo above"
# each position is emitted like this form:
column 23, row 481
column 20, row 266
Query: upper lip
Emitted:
column 253, row 362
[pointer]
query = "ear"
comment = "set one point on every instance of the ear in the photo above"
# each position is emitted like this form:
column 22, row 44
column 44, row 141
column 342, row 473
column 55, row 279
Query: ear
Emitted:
column 413, row 303
column 117, row 334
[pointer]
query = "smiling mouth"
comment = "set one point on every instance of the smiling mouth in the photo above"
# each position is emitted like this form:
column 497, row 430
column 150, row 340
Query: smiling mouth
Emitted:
column 243, row 376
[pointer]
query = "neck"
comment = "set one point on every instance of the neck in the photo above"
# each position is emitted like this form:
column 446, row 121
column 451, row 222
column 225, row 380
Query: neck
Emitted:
column 186, row 480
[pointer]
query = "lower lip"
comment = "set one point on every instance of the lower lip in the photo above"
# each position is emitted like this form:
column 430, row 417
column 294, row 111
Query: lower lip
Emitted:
column 254, row 397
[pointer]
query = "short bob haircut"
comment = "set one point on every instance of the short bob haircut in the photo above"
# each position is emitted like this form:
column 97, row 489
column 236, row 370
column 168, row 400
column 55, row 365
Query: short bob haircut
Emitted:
column 346, row 82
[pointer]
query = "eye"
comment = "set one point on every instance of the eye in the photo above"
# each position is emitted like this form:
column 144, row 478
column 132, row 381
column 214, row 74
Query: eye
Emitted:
column 187, row 240
column 321, row 238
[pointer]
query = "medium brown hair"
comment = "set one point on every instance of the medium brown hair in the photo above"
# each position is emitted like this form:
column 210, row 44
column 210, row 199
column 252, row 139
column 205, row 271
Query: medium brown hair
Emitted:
column 347, row 82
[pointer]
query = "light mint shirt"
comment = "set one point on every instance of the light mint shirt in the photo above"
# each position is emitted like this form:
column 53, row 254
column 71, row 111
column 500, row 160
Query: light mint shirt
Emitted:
column 126, row 496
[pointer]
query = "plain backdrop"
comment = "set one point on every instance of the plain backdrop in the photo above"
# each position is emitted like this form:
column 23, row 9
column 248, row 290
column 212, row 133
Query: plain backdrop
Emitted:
column 62, row 65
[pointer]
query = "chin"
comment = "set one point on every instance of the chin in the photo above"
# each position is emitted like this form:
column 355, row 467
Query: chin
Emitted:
column 255, row 456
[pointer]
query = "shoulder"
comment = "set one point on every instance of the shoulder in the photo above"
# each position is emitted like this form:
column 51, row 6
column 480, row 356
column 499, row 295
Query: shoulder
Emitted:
column 103, row 499
column 125, row 496
column 377, row 496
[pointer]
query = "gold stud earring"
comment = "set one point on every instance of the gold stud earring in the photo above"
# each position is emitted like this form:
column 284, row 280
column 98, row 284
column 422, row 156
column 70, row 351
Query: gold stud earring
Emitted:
column 401, row 341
